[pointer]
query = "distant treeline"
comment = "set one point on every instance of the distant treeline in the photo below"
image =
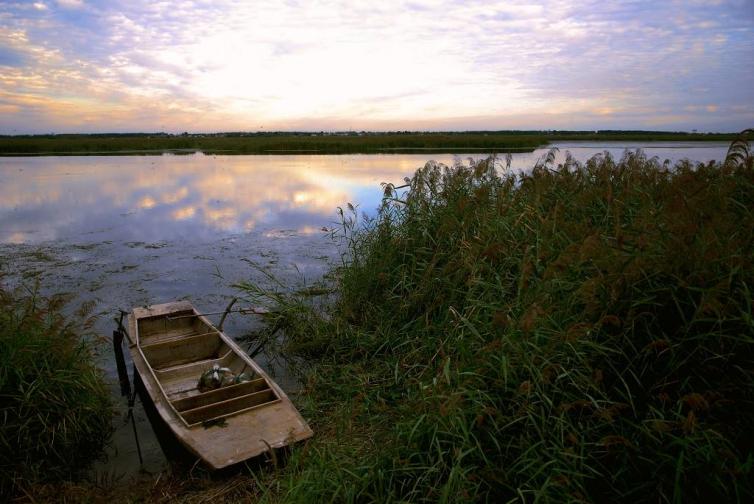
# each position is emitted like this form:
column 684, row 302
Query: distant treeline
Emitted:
column 319, row 142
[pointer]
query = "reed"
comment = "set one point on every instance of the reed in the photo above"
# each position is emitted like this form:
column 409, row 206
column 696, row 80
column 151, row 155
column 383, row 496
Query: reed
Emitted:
column 581, row 332
column 55, row 407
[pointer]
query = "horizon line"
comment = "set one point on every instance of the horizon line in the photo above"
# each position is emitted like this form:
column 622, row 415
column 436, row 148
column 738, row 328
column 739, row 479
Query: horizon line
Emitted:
column 371, row 132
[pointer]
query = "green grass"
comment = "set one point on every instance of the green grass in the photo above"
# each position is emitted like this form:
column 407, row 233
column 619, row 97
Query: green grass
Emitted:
column 55, row 407
column 313, row 143
column 577, row 333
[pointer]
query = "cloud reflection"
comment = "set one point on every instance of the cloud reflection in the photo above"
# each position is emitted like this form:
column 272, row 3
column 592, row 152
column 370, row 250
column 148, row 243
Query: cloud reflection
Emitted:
column 197, row 197
column 153, row 198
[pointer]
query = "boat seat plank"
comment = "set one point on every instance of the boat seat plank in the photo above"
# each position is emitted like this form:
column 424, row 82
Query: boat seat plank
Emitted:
column 228, row 407
column 176, row 338
column 196, row 368
column 172, row 334
column 219, row 395
column 185, row 377
column 173, row 353
column 162, row 326
column 181, row 393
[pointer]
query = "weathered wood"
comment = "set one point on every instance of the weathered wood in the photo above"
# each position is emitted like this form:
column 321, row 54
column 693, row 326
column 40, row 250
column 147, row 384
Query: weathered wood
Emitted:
column 257, row 415
column 181, row 379
column 221, row 394
column 176, row 352
column 223, row 408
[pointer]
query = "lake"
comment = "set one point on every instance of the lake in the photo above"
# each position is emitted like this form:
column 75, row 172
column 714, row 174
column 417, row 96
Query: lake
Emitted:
column 129, row 231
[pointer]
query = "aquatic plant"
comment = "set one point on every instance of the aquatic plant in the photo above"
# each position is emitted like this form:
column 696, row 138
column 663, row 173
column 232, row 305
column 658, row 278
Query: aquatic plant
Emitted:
column 739, row 152
column 54, row 404
column 581, row 332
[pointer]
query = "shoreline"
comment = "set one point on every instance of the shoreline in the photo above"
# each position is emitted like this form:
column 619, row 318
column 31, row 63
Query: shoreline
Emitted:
column 321, row 144
column 272, row 152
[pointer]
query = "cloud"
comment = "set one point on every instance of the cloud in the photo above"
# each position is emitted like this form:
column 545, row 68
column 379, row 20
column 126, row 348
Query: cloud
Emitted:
column 70, row 4
column 226, row 65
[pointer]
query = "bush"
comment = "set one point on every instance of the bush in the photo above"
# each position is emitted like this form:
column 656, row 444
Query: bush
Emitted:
column 577, row 333
column 55, row 407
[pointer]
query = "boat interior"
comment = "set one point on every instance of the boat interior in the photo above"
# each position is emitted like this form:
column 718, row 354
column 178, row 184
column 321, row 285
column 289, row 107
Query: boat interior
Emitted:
column 180, row 347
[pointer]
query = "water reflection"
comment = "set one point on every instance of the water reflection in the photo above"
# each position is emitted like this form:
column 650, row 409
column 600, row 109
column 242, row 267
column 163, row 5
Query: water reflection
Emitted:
column 200, row 197
column 158, row 198
column 164, row 197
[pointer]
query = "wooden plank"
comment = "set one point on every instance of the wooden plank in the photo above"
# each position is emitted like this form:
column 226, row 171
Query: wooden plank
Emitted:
column 161, row 328
column 173, row 353
column 162, row 309
column 194, row 370
column 251, row 433
column 178, row 392
column 176, row 337
column 185, row 377
column 223, row 408
column 171, row 334
column 221, row 394
column 159, row 325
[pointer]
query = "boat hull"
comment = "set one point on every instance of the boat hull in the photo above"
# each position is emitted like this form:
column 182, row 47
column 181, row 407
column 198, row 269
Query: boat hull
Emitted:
column 171, row 346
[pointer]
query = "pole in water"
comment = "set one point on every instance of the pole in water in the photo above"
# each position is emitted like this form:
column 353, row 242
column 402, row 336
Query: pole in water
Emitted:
column 120, row 363
column 225, row 314
column 125, row 384
column 131, row 401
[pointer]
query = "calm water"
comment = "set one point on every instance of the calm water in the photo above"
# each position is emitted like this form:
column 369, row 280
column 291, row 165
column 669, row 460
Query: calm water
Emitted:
column 157, row 199
column 131, row 230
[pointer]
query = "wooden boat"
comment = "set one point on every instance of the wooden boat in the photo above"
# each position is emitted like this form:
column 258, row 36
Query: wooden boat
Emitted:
column 171, row 346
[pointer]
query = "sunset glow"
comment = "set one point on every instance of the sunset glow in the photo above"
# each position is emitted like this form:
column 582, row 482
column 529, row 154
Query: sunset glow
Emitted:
column 91, row 66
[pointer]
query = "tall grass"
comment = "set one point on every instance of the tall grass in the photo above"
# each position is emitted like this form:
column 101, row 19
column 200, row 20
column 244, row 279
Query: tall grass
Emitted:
column 575, row 333
column 55, row 407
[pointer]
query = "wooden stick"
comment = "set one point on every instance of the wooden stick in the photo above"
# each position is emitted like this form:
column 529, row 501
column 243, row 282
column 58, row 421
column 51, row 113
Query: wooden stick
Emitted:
column 252, row 311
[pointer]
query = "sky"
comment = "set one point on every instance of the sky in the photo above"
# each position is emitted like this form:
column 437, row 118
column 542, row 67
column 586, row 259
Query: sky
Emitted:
column 86, row 66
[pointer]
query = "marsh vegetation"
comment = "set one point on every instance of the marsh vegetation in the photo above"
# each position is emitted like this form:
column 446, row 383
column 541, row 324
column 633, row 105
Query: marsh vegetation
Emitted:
column 54, row 403
column 582, row 332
